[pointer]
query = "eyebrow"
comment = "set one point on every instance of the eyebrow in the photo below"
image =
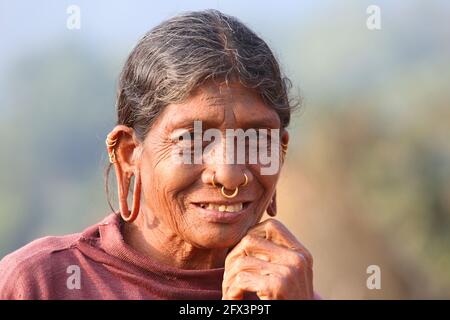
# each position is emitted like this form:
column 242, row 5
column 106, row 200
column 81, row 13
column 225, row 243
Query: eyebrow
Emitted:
column 259, row 122
column 187, row 122
column 269, row 121
column 266, row 122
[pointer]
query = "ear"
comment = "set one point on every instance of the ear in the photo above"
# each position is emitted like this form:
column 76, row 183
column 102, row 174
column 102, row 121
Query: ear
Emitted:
column 126, row 150
column 285, row 137
column 272, row 208
column 284, row 144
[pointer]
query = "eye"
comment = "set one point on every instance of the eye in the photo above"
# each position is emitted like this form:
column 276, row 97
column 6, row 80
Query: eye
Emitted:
column 186, row 140
column 260, row 142
column 188, row 136
column 182, row 136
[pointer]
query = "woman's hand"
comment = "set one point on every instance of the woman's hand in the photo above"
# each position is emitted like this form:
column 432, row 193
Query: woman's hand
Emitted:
column 271, row 262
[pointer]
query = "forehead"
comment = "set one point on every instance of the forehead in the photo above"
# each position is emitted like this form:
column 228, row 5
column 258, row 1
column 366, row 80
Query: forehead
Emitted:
column 230, row 105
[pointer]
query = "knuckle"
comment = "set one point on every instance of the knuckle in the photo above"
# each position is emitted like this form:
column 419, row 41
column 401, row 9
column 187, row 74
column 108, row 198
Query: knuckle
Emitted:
column 272, row 224
column 240, row 262
column 278, row 283
column 308, row 258
column 228, row 260
column 248, row 241
column 299, row 261
column 241, row 276
column 268, row 289
column 281, row 284
column 287, row 272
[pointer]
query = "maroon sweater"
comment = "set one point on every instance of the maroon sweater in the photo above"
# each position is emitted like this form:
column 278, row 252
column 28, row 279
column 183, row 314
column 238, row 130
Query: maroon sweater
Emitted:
column 98, row 264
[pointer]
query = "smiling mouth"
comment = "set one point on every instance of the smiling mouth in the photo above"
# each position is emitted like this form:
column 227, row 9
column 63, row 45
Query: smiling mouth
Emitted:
column 222, row 212
column 230, row 207
column 222, row 208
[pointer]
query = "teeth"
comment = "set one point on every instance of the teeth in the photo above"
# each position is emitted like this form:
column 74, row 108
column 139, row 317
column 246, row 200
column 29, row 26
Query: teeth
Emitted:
column 223, row 208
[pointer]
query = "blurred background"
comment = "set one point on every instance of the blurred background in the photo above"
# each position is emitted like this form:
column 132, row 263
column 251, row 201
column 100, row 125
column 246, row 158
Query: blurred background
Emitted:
column 367, row 180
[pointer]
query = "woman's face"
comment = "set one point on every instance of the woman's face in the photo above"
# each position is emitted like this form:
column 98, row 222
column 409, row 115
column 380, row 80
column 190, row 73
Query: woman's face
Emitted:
column 180, row 198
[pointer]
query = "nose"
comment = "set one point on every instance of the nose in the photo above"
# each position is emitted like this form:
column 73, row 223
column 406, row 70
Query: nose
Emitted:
column 227, row 175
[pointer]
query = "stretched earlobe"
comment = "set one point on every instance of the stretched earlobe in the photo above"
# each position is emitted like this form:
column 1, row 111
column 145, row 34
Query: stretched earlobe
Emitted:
column 272, row 208
column 121, row 159
column 123, row 189
column 136, row 197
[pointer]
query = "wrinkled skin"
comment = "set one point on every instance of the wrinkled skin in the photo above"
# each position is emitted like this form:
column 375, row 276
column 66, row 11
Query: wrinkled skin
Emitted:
column 264, row 258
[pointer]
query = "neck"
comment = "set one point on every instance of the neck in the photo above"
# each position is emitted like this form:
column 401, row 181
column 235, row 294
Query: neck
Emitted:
column 167, row 248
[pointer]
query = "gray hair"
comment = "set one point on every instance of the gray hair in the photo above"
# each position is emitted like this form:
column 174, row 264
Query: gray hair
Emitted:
column 181, row 53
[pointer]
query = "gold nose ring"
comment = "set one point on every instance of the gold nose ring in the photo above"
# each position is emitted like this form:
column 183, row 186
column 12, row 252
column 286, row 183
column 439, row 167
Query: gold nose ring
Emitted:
column 246, row 181
column 222, row 190
column 229, row 196
column 212, row 180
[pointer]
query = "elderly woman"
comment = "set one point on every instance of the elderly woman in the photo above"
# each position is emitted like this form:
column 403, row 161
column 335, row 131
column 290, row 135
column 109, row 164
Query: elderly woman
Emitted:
column 192, row 229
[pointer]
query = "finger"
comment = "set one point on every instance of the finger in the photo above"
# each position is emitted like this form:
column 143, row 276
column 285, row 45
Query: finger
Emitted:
column 243, row 264
column 265, row 250
column 248, row 264
column 275, row 231
column 255, row 266
column 292, row 281
column 245, row 282
column 266, row 287
column 237, row 291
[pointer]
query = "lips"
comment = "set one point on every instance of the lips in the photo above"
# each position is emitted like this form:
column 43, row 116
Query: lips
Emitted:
column 225, row 212
column 223, row 207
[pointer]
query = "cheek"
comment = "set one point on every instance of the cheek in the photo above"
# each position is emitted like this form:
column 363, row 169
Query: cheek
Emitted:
column 163, row 181
column 170, row 174
column 268, row 184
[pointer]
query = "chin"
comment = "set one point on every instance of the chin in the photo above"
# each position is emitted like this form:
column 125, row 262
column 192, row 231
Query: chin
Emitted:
column 217, row 237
